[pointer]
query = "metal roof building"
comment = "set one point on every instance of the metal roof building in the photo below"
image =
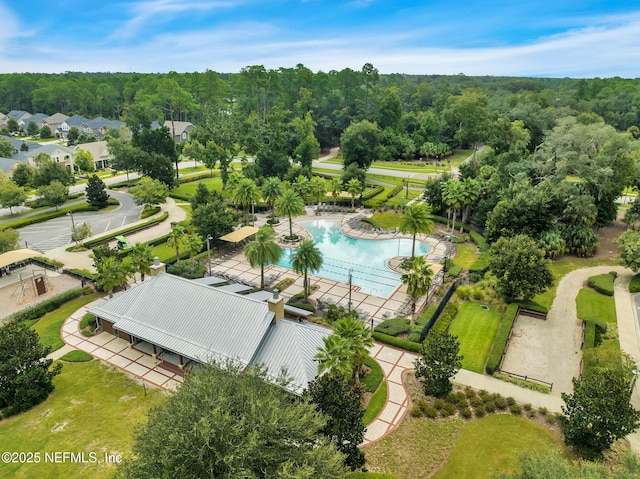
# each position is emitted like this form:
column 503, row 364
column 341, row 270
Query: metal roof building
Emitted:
column 200, row 323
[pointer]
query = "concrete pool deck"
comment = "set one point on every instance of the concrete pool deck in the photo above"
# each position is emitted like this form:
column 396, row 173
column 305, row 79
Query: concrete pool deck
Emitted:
column 374, row 308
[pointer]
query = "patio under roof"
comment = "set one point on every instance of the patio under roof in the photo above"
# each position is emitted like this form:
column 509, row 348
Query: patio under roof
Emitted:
column 17, row 255
column 240, row 234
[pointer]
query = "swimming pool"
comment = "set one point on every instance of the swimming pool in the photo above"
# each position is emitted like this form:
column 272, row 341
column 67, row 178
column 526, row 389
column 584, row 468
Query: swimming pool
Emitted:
column 367, row 259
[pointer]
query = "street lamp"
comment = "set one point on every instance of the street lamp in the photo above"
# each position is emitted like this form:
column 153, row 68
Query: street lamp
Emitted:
column 350, row 282
column 636, row 373
column 209, row 238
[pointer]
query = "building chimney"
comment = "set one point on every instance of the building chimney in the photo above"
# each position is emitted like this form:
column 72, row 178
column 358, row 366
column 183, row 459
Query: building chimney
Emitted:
column 276, row 305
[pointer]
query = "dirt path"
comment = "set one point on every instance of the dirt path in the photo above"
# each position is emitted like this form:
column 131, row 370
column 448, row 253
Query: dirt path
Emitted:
column 551, row 350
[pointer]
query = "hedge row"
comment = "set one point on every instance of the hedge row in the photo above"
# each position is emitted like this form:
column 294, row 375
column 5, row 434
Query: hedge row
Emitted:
column 500, row 342
column 108, row 237
column 397, row 342
column 634, row 285
column 394, row 327
column 371, row 193
column 479, row 240
column 602, row 283
column 40, row 309
column 394, row 192
column 446, row 317
column 374, row 377
column 454, row 271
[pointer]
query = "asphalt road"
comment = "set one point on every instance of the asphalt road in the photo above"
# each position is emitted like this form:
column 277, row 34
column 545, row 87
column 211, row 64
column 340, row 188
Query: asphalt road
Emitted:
column 57, row 232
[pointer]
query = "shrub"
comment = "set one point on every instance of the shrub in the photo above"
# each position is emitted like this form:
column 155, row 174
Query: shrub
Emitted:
column 480, row 411
column 449, row 409
column 542, row 411
column 634, row 285
column 552, row 418
column 589, row 334
column 516, row 409
column 527, row 406
column 451, row 397
column 88, row 321
column 511, row 401
column 446, row 317
column 438, row 404
column 430, row 412
column 602, row 283
column 490, row 406
column 455, row 271
column 475, row 402
column 469, row 392
column 416, row 412
column 485, row 396
column 532, row 413
column 394, row 327
column 466, row 413
column 77, row 356
column 500, row 341
column 501, row 403
column 183, row 268
column 397, row 342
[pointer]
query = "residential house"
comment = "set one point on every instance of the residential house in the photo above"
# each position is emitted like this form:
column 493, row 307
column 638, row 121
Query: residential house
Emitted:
column 3, row 118
column 183, row 323
column 58, row 153
column 53, row 122
column 37, row 119
column 99, row 126
column 99, row 152
column 7, row 165
column 79, row 121
column 181, row 130
column 16, row 115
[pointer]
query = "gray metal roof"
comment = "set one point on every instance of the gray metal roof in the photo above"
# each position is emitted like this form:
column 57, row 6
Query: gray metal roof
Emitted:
column 290, row 347
column 297, row 311
column 190, row 319
column 210, row 280
column 260, row 295
column 235, row 288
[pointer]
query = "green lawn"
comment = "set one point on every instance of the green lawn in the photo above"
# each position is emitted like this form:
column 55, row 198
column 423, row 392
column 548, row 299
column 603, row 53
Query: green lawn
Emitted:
column 466, row 255
column 386, row 220
column 492, row 444
column 48, row 327
column 476, row 330
column 564, row 266
column 596, row 306
column 163, row 252
column 376, row 403
column 189, row 189
column 92, row 410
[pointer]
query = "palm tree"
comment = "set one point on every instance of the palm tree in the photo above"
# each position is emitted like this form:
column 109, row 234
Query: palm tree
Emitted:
column 417, row 279
column 141, row 259
column 416, row 219
column 176, row 239
column 335, row 187
column 194, row 243
column 246, row 193
column 359, row 340
column 307, row 258
column 453, row 196
column 263, row 250
column 272, row 190
column 301, row 186
column 470, row 194
column 318, row 187
column 335, row 356
column 354, row 188
column 290, row 204
column 112, row 273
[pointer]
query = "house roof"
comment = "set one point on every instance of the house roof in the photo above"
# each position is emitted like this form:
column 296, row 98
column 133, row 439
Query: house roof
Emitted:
column 7, row 164
column 180, row 126
column 18, row 114
column 204, row 323
column 190, row 319
column 98, row 149
column 290, row 348
column 37, row 118
column 76, row 120
column 55, row 119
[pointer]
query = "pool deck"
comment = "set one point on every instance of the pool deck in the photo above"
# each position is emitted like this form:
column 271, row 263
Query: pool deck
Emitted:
column 374, row 308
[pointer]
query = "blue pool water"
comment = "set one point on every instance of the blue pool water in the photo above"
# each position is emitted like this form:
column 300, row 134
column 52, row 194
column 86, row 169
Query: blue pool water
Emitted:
column 366, row 258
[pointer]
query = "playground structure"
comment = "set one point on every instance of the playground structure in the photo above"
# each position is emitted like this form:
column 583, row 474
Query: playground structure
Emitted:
column 37, row 282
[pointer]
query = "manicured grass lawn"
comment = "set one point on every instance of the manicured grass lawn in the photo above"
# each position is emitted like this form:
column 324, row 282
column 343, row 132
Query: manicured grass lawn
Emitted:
column 492, row 444
column 476, row 330
column 387, row 220
column 163, row 251
column 189, row 189
column 466, row 255
column 596, row 306
column 426, row 168
column 48, row 327
column 192, row 169
column 376, row 403
column 416, row 448
column 564, row 266
column 93, row 409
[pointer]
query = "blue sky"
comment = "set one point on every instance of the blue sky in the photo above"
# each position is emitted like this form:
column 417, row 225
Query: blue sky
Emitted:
column 517, row 38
